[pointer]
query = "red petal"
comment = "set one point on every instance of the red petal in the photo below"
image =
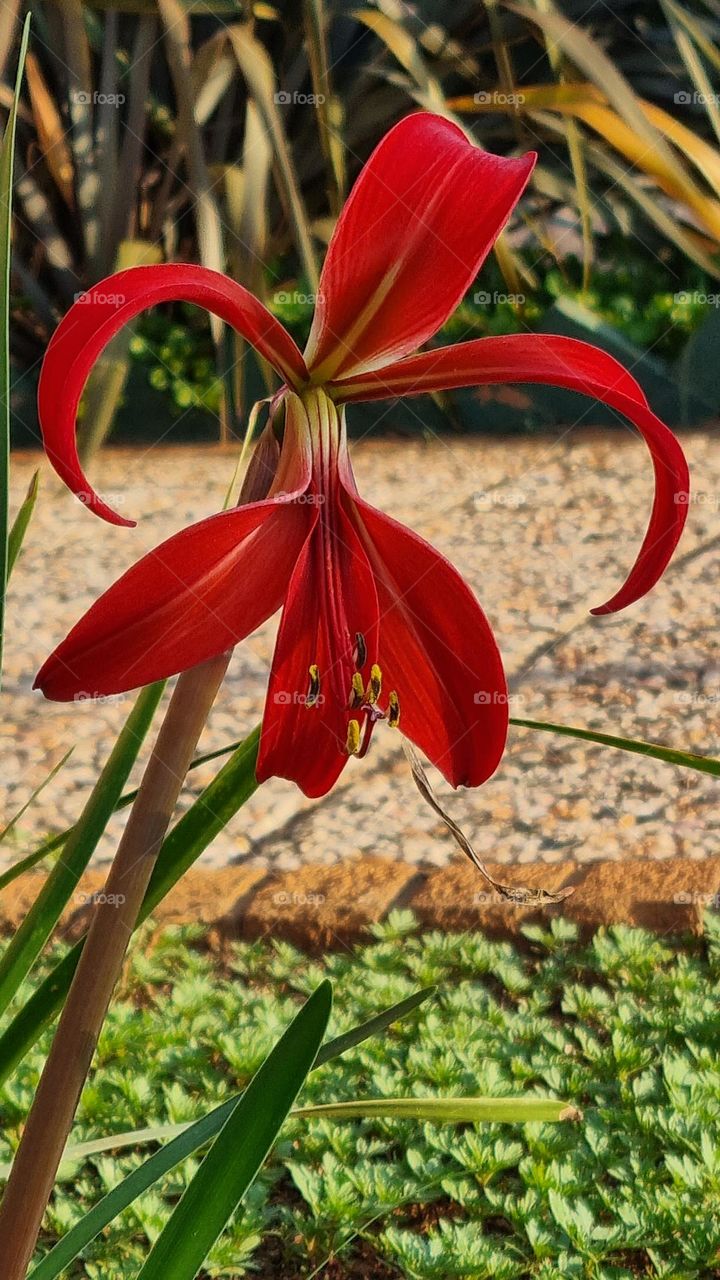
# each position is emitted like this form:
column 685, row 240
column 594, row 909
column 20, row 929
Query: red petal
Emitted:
column 94, row 319
column 560, row 362
column 330, row 598
column 193, row 597
column 437, row 652
column 421, row 218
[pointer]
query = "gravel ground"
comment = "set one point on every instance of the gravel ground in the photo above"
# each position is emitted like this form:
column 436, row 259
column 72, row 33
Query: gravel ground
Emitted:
column 543, row 529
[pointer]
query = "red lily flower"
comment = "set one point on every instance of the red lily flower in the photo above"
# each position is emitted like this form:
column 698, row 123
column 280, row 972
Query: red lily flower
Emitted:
column 376, row 625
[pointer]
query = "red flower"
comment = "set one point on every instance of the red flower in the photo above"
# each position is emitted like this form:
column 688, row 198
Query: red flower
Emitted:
column 375, row 623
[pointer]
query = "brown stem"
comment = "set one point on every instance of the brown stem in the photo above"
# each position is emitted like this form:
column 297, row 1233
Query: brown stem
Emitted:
column 36, row 1162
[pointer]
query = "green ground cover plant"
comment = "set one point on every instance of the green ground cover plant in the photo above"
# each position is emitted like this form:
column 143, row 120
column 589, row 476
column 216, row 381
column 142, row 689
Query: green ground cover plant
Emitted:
column 625, row 1026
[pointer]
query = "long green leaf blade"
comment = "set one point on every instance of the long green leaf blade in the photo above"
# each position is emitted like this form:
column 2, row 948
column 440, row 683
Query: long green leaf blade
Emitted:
column 240, row 1148
column 670, row 755
column 7, row 154
column 21, row 522
column 191, row 1139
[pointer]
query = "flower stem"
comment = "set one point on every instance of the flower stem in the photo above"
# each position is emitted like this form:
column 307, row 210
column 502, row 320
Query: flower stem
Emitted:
column 50, row 1119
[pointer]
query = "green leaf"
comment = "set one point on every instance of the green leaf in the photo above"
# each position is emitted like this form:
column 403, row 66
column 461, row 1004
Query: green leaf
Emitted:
column 686, row 759
column 190, row 1139
column 238, row 1152
column 446, row 1110
column 40, row 921
column 212, row 810
column 21, row 522
column 7, row 153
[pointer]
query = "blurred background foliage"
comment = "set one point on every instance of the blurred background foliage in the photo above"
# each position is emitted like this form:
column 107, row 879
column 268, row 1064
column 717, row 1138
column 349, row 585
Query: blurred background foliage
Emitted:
column 229, row 133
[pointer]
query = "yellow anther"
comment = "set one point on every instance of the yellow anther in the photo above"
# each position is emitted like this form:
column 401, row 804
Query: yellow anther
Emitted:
column 372, row 693
column 393, row 717
column 357, row 690
column 314, row 691
column 352, row 745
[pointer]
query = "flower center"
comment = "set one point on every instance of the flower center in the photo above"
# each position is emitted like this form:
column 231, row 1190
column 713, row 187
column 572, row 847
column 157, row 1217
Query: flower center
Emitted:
column 344, row 681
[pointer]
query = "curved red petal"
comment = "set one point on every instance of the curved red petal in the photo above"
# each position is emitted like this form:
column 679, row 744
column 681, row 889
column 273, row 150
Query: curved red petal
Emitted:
column 577, row 366
column 98, row 315
column 331, row 597
column 422, row 216
column 192, row 598
column 437, row 651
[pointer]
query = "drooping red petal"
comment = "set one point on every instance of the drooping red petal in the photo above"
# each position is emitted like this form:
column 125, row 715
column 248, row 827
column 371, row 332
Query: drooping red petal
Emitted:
column 192, row 598
column 437, row 651
column 577, row 366
column 422, row 216
column 331, row 597
column 98, row 315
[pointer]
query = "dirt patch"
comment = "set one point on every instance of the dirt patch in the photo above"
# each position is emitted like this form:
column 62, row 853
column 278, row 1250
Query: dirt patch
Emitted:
column 322, row 908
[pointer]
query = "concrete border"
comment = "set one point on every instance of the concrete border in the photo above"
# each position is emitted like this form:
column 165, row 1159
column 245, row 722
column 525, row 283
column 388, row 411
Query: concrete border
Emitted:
column 324, row 907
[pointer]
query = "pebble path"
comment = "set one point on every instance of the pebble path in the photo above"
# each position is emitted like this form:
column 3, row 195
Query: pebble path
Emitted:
column 543, row 528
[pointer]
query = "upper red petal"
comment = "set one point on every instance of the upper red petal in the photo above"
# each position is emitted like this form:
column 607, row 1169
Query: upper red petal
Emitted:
column 98, row 314
column 437, row 651
column 193, row 597
column 424, row 212
column 577, row 366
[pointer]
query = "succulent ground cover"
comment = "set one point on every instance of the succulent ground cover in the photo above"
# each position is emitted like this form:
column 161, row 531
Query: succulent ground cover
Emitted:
column 625, row 1026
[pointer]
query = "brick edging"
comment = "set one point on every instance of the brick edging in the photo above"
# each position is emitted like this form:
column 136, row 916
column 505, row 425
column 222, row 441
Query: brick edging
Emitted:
column 324, row 907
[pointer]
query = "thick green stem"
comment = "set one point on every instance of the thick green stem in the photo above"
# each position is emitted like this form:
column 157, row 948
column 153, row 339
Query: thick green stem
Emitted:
column 41, row 1146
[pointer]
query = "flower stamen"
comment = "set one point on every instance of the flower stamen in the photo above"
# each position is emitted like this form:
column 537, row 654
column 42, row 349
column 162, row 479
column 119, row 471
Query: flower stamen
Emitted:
column 314, row 690
column 357, row 691
column 352, row 743
column 393, row 714
column 372, row 693
column 360, row 654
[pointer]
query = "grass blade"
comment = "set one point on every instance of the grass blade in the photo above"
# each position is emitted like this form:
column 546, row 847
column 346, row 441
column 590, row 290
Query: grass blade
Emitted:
column 55, row 770
column 191, row 1139
column 240, row 1148
column 7, row 154
column 686, row 759
column 212, row 810
column 40, row 921
column 21, row 522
